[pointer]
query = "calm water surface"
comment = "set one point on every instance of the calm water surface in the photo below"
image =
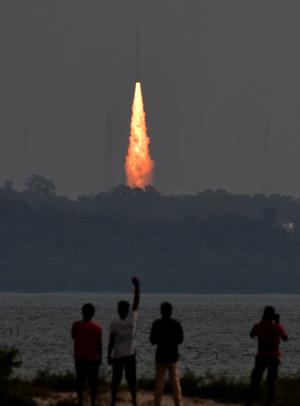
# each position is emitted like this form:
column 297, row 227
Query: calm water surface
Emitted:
column 216, row 328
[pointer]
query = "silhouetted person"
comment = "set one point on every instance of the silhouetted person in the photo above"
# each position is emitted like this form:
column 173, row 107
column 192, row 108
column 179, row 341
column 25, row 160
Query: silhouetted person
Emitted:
column 121, row 348
column 268, row 333
column 167, row 334
column 87, row 336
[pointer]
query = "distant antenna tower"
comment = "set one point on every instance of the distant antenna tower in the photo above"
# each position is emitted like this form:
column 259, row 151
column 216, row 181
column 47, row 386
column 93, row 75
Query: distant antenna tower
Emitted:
column 108, row 161
column 26, row 151
column 266, row 182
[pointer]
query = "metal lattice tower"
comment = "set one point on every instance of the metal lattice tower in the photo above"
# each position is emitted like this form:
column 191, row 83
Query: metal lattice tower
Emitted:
column 266, row 187
column 26, row 151
column 108, row 161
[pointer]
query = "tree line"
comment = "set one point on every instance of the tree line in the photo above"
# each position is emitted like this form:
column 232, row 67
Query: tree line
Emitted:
column 214, row 241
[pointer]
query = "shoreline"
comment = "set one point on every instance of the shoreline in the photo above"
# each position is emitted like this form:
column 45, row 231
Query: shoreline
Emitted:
column 48, row 389
column 148, row 293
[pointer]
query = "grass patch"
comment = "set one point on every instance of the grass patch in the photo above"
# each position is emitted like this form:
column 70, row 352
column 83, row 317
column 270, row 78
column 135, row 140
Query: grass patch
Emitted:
column 47, row 380
column 19, row 392
column 58, row 382
column 230, row 390
column 208, row 386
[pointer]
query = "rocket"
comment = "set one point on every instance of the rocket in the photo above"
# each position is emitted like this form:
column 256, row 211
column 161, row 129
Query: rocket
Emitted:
column 138, row 55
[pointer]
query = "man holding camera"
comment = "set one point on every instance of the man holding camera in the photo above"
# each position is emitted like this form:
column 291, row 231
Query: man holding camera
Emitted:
column 269, row 333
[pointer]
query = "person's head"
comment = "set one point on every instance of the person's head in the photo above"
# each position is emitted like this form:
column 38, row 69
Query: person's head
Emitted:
column 166, row 310
column 269, row 313
column 123, row 309
column 88, row 311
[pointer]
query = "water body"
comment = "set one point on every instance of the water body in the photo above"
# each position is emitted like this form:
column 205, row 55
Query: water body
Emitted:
column 216, row 329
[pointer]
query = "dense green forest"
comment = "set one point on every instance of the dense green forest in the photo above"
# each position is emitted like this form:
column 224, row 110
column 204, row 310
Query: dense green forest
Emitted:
column 210, row 242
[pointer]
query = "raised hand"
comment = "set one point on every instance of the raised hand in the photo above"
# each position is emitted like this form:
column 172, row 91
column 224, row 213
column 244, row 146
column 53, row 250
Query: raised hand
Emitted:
column 135, row 281
column 136, row 298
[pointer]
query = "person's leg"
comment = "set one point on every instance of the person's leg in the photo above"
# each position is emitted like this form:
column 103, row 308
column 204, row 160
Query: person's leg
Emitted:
column 117, row 372
column 80, row 379
column 256, row 377
column 159, row 382
column 130, row 373
column 271, row 379
column 175, row 380
column 93, row 371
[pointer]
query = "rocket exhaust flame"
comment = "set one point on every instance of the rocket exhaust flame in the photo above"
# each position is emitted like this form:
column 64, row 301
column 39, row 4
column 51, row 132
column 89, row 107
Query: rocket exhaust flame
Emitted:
column 139, row 164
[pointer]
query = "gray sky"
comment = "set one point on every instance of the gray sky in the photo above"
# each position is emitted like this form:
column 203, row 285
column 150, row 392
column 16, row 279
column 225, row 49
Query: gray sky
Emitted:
column 211, row 71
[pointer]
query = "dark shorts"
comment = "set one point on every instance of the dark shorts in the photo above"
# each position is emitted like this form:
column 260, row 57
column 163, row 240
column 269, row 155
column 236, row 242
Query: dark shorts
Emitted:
column 127, row 364
column 87, row 370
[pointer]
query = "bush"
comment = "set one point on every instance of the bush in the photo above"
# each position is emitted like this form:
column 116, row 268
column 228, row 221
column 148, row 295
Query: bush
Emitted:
column 9, row 360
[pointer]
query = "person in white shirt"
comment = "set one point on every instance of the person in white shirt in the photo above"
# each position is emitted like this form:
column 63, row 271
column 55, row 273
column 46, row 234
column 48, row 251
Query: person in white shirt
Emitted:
column 121, row 348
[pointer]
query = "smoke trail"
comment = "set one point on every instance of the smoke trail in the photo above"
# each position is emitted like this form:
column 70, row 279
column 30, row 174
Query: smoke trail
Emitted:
column 139, row 165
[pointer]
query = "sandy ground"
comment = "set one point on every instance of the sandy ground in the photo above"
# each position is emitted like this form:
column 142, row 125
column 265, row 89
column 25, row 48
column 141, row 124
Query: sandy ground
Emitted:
column 144, row 399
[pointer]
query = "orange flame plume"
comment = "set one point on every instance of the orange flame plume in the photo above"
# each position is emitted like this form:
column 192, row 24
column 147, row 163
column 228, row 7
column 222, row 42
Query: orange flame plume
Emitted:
column 139, row 164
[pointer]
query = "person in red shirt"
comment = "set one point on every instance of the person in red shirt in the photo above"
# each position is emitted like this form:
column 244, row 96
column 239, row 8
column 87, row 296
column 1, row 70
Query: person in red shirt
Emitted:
column 269, row 333
column 87, row 336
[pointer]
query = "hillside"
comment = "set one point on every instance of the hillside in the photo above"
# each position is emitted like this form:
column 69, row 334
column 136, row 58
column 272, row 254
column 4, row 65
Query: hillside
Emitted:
column 210, row 242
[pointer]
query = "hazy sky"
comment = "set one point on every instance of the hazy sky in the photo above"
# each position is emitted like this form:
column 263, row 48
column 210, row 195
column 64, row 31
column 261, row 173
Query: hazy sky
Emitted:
column 211, row 72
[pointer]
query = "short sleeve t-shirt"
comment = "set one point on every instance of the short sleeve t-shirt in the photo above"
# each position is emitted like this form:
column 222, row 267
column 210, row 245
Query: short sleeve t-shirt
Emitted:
column 87, row 337
column 268, row 335
column 124, row 332
column 167, row 334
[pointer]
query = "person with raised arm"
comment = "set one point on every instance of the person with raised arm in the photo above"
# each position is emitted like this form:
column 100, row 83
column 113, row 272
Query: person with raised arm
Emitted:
column 269, row 332
column 122, row 347
column 87, row 336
